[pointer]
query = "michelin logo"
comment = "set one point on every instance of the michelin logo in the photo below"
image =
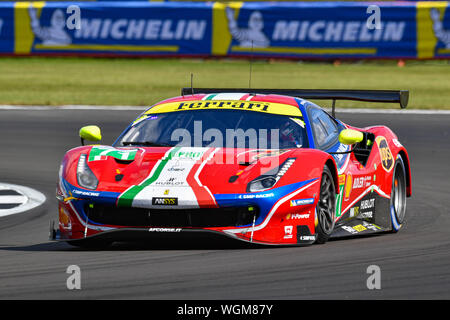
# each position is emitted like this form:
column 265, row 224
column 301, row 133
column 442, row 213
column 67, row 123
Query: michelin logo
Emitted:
column 301, row 202
column 336, row 31
column 141, row 29
column 117, row 29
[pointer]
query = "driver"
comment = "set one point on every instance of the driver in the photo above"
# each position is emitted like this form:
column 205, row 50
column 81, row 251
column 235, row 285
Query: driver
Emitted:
column 289, row 135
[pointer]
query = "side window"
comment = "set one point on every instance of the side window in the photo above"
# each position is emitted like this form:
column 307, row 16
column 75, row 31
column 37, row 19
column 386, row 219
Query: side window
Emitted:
column 324, row 127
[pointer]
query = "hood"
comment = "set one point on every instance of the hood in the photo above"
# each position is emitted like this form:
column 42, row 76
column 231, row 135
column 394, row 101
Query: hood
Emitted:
column 224, row 170
column 188, row 174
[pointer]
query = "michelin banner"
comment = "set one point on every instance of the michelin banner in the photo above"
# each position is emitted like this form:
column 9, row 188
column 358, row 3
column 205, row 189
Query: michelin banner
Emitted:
column 298, row 30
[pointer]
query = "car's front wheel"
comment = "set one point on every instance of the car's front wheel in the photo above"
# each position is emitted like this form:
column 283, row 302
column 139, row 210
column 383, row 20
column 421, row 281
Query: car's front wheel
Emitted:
column 326, row 207
column 398, row 195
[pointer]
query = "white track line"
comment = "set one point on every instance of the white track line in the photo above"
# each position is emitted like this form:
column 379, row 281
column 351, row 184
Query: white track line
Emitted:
column 12, row 200
column 34, row 199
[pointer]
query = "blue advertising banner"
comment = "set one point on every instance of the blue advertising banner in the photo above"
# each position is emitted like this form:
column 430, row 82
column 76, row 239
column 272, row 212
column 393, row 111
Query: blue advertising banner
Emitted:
column 6, row 28
column 114, row 28
column 297, row 30
column 334, row 30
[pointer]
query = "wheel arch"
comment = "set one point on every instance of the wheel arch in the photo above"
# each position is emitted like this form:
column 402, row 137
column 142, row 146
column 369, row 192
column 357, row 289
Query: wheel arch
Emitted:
column 404, row 155
column 333, row 169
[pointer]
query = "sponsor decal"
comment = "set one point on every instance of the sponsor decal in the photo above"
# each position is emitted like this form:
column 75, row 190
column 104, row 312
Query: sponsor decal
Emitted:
column 164, row 230
column 349, row 229
column 367, row 204
column 86, row 193
column 297, row 216
column 366, row 215
column 362, row 182
column 288, row 232
column 341, row 179
column 301, row 202
column 371, row 226
column 210, row 104
column 367, row 208
column 256, row 196
column 364, row 226
column 387, row 160
column 359, row 228
column 165, row 201
column 355, row 229
column 354, row 212
column 261, row 106
column 307, row 238
column 176, row 169
column 101, row 153
column 187, row 154
column 348, row 186
column 172, row 181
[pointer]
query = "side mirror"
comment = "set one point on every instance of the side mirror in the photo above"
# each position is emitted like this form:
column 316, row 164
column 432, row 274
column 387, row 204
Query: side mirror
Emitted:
column 91, row 133
column 349, row 136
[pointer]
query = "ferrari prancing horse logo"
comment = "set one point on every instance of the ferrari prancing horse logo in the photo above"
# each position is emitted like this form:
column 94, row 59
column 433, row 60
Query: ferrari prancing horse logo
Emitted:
column 387, row 160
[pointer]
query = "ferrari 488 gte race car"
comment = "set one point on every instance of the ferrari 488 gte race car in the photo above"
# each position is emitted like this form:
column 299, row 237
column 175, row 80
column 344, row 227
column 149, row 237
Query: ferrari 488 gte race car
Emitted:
column 258, row 165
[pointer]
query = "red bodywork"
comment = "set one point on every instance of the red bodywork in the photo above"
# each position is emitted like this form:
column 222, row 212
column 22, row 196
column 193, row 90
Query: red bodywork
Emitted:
column 209, row 180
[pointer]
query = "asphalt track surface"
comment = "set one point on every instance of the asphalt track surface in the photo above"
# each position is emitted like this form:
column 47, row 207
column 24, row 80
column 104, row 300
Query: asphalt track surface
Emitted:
column 414, row 263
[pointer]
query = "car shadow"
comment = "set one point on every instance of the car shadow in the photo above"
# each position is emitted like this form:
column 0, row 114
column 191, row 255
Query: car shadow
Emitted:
column 140, row 246
column 168, row 244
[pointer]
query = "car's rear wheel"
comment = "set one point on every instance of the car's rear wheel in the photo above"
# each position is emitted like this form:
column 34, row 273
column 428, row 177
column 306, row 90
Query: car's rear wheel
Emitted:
column 326, row 207
column 398, row 195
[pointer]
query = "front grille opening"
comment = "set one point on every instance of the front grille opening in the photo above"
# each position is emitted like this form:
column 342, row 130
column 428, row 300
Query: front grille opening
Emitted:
column 175, row 218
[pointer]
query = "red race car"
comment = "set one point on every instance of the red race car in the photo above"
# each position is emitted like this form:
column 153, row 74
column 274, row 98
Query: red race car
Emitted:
column 258, row 165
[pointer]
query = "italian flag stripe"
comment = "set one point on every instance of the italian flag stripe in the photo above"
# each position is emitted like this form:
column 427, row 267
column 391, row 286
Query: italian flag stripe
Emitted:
column 126, row 198
column 209, row 97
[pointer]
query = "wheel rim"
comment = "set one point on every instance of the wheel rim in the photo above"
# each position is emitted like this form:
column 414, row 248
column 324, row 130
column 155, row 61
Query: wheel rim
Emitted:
column 326, row 205
column 399, row 194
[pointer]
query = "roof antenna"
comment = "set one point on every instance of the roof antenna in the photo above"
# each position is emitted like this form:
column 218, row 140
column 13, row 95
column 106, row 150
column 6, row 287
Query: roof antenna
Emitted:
column 250, row 77
column 192, row 83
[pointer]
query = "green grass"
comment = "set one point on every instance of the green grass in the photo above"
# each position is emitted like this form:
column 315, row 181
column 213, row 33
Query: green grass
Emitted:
column 62, row 81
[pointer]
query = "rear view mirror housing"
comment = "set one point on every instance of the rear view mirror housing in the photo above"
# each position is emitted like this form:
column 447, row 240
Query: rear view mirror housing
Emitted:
column 90, row 133
column 350, row 136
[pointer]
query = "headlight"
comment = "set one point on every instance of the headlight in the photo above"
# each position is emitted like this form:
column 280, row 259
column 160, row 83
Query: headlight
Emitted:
column 262, row 183
column 85, row 176
column 268, row 180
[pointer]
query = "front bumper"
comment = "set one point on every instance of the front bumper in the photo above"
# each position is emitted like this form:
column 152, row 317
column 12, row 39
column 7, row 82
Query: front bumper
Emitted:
column 166, row 235
column 278, row 221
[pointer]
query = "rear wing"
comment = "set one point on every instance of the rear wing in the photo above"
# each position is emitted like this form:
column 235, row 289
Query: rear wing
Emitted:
column 386, row 96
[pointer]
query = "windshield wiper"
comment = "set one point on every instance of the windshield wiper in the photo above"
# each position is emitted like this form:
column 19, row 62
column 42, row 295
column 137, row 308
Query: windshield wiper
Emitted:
column 146, row 143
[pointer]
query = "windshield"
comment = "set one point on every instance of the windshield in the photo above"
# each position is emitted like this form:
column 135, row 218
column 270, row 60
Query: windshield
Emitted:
column 213, row 128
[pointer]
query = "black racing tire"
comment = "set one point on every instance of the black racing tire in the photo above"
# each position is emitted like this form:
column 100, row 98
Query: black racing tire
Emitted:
column 94, row 244
column 326, row 207
column 398, row 195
